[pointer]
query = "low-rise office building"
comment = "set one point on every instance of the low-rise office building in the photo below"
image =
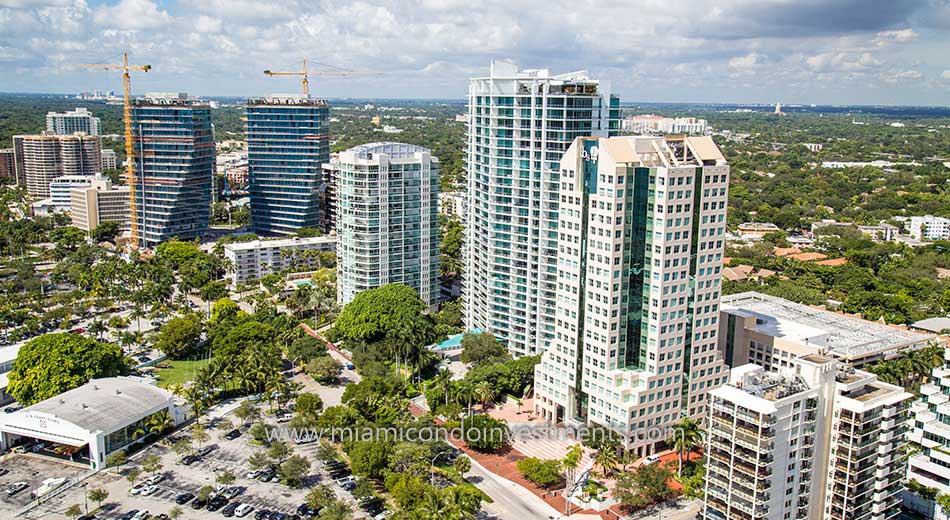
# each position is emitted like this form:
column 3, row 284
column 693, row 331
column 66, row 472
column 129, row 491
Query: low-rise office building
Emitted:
column 814, row 441
column 61, row 187
column 100, row 202
column 771, row 332
column 255, row 259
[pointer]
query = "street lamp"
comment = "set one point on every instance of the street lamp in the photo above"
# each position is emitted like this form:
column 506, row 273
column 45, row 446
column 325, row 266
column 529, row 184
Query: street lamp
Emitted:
column 432, row 467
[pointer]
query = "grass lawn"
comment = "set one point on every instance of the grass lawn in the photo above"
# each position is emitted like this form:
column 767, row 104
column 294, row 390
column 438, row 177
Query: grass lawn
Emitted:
column 180, row 371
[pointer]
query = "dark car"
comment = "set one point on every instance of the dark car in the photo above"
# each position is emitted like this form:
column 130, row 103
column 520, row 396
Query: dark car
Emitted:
column 183, row 498
column 229, row 509
column 233, row 434
column 340, row 473
column 199, row 503
column 188, row 460
column 268, row 474
column 129, row 515
column 217, row 503
column 87, row 517
column 261, row 514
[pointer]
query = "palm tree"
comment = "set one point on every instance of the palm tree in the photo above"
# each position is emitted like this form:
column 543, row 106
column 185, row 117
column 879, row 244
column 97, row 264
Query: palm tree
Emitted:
column 687, row 436
column 442, row 384
column 458, row 505
column 484, row 393
column 606, row 458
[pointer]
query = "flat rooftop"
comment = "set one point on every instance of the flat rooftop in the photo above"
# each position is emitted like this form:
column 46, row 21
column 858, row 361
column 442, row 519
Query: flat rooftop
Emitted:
column 281, row 242
column 838, row 335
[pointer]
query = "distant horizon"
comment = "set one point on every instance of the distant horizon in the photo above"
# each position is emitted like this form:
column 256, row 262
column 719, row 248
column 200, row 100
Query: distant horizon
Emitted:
column 625, row 103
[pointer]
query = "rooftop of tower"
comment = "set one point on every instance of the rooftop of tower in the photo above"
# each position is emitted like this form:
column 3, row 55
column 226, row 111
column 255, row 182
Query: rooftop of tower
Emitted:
column 666, row 151
column 394, row 150
column 288, row 99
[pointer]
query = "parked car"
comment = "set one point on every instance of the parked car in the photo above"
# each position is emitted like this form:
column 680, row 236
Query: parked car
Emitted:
column 268, row 474
column 206, row 450
column 142, row 515
column 228, row 510
column 15, row 488
column 149, row 490
column 138, row 488
column 262, row 514
column 183, row 498
column 199, row 503
column 253, row 473
column 188, row 460
column 128, row 515
column 651, row 459
column 4, row 471
column 306, row 510
column 349, row 366
column 12, row 408
column 155, row 479
column 216, row 502
column 38, row 447
column 233, row 434
column 87, row 517
column 232, row 491
column 243, row 510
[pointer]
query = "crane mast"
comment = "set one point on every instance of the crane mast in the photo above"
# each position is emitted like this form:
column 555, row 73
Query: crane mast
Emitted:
column 129, row 144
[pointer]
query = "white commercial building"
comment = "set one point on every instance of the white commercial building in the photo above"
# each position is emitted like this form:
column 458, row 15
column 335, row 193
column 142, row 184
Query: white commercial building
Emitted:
column 68, row 123
column 654, row 124
column 929, row 228
column 815, row 441
column 388, row 220
column 255, row 259
column 60, row 190
column 95, row 419
column 520, row 123
column 639, row 267
column 771, row 332
column 7, row 357
column 100, row 202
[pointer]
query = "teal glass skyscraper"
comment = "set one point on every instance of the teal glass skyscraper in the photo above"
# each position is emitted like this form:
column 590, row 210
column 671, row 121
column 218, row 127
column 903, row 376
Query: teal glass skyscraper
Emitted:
column 520, row 124
column 174, row 161
column 287, row 142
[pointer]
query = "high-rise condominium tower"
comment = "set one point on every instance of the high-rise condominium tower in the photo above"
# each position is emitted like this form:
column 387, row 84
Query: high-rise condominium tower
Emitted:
column 388, row 223
column 41, row 158
column 174, row 162
column 68, row 123
column 639, row 256
column 288, row 140
column 520, row 123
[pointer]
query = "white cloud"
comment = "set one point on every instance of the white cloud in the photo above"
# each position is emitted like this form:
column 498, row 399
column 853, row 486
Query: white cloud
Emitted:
column 946, row 74
column 132, row 15
column 897, row 76
column 744, row 62
column 207, row 24
column 897, row 36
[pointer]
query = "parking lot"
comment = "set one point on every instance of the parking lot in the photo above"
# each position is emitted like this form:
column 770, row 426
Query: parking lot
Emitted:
column 32, row 469
column 229, row 455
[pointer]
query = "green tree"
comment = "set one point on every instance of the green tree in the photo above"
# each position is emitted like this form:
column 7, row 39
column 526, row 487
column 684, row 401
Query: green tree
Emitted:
column 279, row 451
column 105, row 231
column 258, row 460
column 462, row 465
column 325, row 369
column 74, row 511
column 480, row 347
column 308, row 406
column 369, row 458
column 151, row 464
column 294, row 470
column 179, row 336
column 643, row 486
column 336, row 510
column 98, row 495
column 544, row 473
column 306, row 347
column 204, row 493
column 484, row 433
column 687, row 437
column 54, row 363
column 319, row 496
column 175, row 512
column 273, row 283
column 225, row 478
column 116, row 458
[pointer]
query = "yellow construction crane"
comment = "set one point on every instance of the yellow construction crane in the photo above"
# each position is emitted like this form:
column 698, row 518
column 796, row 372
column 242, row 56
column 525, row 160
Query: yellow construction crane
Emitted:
column 306, row 74
column 127, row 117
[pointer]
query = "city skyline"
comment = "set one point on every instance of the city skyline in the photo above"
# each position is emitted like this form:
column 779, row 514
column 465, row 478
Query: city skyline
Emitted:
column 809, row 52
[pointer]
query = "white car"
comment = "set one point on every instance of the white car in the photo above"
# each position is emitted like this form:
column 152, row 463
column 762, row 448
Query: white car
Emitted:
column 149, row 490
column 651, row 459
column 15, row 488
column 243, row 510
column 155, row 479
column 141, row 515
column 136, row 489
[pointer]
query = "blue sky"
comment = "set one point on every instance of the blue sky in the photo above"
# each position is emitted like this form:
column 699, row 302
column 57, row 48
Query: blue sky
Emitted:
column 792, row 51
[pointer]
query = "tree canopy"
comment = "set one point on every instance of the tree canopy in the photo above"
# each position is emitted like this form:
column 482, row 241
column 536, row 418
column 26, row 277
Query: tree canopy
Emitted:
column 51, row 364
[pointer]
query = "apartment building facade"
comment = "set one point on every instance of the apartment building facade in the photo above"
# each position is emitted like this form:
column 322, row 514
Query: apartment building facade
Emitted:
column 388, row 223
column 814, row 441
column 639, row 260
column 175, row 160
column 520, row 123
column 41, row 158
column 288, row 141
column 256, row 259
column 68, row 123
